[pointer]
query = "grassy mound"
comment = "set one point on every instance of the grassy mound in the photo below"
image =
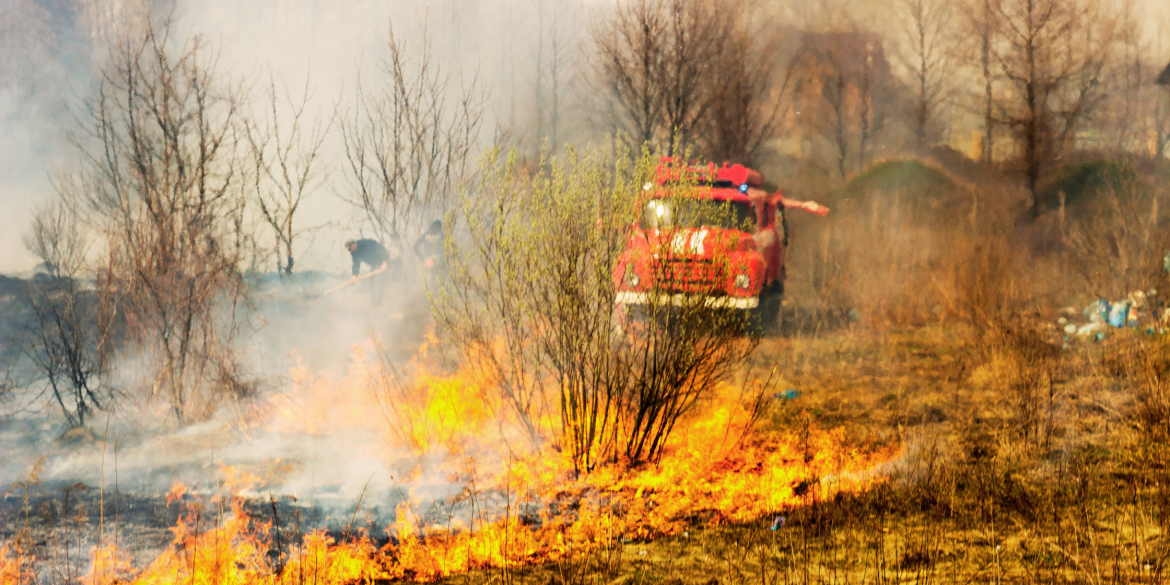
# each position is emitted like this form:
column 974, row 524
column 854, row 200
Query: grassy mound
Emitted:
column 914, row 183
column 1083, row 181
column 912, row 178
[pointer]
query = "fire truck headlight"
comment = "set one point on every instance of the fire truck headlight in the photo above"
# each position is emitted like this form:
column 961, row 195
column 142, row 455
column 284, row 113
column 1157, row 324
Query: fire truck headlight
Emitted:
column 742, row 281
column 631, row 278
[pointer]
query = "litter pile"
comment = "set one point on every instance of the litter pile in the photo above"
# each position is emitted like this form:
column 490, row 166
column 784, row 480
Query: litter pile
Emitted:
column 1141, row 309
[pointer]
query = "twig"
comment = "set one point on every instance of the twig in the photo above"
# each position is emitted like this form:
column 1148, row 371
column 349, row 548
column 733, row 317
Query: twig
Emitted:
column 349, row 530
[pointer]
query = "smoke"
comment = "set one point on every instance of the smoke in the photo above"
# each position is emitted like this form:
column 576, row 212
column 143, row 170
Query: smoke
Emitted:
column 323, row 46
column 300, row 43
column 312, row 430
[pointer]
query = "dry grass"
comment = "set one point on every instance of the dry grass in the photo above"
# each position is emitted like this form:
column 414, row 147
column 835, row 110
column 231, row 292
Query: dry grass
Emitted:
column 997, row 484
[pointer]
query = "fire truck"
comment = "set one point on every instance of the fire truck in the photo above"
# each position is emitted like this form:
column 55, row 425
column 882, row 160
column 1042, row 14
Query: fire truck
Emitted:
column 707, row 234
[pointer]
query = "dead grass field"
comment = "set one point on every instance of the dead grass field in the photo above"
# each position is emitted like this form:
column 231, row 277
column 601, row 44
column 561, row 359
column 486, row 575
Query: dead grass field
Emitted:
column 1070, row 489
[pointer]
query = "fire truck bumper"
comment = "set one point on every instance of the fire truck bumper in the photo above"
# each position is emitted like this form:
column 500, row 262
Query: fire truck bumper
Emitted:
column 640, row 298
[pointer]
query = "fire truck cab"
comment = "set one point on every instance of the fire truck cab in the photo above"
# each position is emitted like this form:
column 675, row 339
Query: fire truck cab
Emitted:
column 710, row 234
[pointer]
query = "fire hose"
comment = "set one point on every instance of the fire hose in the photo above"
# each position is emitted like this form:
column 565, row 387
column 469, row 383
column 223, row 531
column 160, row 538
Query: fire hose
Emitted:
column 353, row 281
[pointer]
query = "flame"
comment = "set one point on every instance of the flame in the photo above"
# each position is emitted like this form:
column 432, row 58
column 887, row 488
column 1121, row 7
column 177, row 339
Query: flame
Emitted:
column 176, row 493
column 11, row 565
column 714, row 466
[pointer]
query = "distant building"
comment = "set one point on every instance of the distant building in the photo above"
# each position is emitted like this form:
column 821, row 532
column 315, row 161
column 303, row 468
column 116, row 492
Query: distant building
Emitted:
column 1164, row 78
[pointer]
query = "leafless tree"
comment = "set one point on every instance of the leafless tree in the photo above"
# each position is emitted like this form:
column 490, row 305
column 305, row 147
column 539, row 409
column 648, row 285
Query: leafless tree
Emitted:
column 1053, row 56
column 65, row 337
column 628, row 59
column 835, row 94
column 57, row 239
column 164, row 176
column 409, row 144
column 557, row 26
column 980, row 19
column 708, row 75
column 694, row 36
column 287, row 165
column 867, row 120
column 1161, row 122
column 749, row 87
column 655, row 59
column 928, row 46
column 1129, row 83
column 835, row 90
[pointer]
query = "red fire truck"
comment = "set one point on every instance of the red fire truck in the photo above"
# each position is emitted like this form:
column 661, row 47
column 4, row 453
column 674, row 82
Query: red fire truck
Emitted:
column 709, row 234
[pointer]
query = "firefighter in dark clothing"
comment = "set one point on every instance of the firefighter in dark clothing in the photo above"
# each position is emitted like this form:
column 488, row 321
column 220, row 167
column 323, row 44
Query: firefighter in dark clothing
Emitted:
column 429, row 246
column 375, row 256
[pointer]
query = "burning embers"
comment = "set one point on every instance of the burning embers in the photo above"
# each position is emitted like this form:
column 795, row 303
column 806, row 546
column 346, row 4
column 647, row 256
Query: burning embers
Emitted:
column 515, row 507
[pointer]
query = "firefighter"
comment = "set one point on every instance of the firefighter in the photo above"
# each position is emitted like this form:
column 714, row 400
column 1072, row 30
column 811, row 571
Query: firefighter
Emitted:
column 373, row 255
column 428, row 247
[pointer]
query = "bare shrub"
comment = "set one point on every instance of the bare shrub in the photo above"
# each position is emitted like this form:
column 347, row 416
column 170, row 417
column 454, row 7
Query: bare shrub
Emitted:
column 409, row 144
column 902, row 257
column 65, row 339
column 690, row 74
column 164, row 178
column 1113, row 245
column 1147, row 365
column 287, row 165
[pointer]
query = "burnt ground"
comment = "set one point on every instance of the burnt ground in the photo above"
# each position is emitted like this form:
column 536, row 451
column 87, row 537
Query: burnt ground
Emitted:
column 56, row 510
column 310, row 488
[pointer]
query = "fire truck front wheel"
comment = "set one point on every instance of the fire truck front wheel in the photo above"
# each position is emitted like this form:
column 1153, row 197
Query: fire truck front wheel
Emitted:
column 764, row 319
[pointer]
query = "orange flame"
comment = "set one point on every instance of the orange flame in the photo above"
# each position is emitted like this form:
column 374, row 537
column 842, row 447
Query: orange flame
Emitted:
column 11, row 565
column 713, row 466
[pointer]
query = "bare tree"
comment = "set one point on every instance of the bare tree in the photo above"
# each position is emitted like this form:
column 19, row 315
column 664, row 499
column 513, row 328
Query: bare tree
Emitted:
column 981, row 23
column 287, row 165
column 829, row 89
column 1161, row 114
column 409, row 144
column 1053, row 56
column 928, row 36
column 628, row 58
column 65, row 336
column 557, row 26
column 867, row 121
column 1129, row 81
column 694, row 36
column 1160, row 109
column 689, row 74
column 564, row 18
column 746, row 97
column 164, row 176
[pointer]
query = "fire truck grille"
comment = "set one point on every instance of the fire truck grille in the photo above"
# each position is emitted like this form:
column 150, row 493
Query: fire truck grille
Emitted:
column 688, row 275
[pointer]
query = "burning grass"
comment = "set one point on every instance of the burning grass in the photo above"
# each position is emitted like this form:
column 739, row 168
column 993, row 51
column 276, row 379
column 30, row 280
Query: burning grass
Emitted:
column 516, row 507
column 965, row 491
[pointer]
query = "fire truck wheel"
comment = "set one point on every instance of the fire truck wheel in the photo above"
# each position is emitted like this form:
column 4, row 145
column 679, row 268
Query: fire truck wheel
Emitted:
column 765, row 316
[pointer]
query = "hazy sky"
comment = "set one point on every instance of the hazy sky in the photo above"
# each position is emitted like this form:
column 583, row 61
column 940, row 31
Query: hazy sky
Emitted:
column 329, row 41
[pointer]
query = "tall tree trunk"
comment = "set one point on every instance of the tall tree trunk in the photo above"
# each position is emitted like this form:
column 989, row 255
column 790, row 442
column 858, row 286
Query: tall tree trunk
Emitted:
column 988, row 118
column 1032, row 118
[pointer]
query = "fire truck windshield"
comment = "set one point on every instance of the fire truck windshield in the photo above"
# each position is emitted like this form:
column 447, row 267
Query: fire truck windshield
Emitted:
column 678, row 212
